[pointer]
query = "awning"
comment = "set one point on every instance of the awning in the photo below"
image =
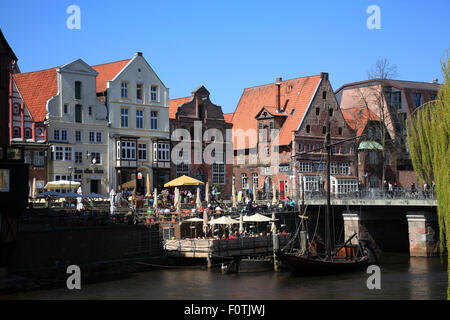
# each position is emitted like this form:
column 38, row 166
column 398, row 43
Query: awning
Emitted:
column 370, row 145
column 62, row 184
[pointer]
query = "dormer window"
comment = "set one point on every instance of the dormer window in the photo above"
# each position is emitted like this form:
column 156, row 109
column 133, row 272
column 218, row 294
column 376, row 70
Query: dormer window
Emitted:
column 292, row 112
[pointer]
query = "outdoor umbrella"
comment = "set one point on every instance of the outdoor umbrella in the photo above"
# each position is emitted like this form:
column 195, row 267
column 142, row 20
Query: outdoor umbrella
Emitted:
column 112, row 199
column 274, row 191
column 225, row 220
column 95, row 196
column 79, row 199
column 33, row 189
column 155, row 199
column 205, row 222
column 233, row 194
column 257, row 218
column 182, row 182
column 199, row 200
column 207, row 192
column 193, row 220
column 241, row 224
column 176, row 200
column 148, row 187
column 49, row 193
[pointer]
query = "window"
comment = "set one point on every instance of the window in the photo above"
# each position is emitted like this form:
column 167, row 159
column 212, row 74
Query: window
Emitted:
column 255, row 180
column 418, row 99
column 95, row 137
column 154, row 93
column 78, row 113
column 124, row 90
column 333, row 168
column 304, row 167
column 283, row 168
column 78, row 157
column 97, row 156
column 182, row 170
column 62, row 154
column 142, row 152
column 218, row 173
column 77, row 90
column 334, row 149
column 140, row 119
column 317, row 111
column 324, row 130
column 319, row 166
column 331, row 112
column 266, row 151
column 66, row 109
column 308, row 148
column 124, row 118
column 373, row 157
column 60, row 135
column 163, row 152
column 347, row 185
column 324, row 95
column 344, row 150
column 344, row 168
column 27, row 133
column 292, row 112
column 77, row 136
column 38, row 158
column 27, row 157
column 300, row 147
column 78, row 178
column 340, row 131
column 271, row 125
column 317, row 148
column 433, row 96
column 311, row 183
column 139, row 93
column 308, row 128
column 128, row 150
column 244, row 181
column 90, row 110
column 154, row 120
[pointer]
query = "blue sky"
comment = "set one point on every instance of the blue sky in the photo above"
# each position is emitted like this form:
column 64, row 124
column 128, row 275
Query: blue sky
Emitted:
column 231, row 45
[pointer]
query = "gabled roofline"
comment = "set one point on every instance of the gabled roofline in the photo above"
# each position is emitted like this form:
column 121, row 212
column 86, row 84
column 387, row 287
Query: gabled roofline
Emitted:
column 7, row 46
column 309, row 104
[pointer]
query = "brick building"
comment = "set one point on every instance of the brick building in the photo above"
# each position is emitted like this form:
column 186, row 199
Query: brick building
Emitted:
column 399, row 101
column 200, row 147
column 279, row 131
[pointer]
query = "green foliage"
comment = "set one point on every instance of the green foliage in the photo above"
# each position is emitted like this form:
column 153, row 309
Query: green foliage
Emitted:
column 428, row 139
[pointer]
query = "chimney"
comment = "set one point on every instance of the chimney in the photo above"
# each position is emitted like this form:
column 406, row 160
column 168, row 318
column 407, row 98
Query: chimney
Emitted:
column 278, row 95
column 324, row 75
column 435, row 80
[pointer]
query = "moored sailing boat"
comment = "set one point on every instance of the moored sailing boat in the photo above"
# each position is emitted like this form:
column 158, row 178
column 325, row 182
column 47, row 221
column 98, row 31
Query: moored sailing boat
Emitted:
column 345, row 258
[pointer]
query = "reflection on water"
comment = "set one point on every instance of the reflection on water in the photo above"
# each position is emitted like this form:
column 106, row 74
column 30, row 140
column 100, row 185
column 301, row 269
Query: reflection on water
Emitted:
column 402, row 278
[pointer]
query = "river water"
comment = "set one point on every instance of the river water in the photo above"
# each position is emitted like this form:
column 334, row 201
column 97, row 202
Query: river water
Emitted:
column 402, row 278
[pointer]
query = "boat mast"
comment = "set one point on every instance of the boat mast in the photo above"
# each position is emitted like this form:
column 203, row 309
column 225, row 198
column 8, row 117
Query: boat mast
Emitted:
column 327, row 212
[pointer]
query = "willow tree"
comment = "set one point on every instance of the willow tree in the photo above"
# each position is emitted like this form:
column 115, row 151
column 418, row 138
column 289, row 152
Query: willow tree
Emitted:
column 428, row 139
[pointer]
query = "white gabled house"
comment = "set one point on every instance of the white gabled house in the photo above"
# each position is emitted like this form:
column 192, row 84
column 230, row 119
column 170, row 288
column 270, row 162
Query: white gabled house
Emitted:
column 138, row 118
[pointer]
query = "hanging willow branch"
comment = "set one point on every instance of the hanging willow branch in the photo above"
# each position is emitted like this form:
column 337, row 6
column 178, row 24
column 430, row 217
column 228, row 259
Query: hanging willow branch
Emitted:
column 428, row 139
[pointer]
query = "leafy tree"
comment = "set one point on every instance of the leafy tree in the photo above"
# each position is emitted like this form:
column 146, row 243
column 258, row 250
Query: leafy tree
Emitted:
column 428, row 139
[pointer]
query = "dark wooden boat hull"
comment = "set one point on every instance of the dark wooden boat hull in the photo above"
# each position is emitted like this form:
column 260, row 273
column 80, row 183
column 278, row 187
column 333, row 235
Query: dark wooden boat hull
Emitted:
column 304, row 266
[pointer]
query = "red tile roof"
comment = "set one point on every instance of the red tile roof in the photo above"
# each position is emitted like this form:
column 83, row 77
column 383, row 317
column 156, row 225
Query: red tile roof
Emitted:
column 174, row 104
column 228, row 117
column 295, row 94
column 107, row 72
column 36, row 88
column 361, row 118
